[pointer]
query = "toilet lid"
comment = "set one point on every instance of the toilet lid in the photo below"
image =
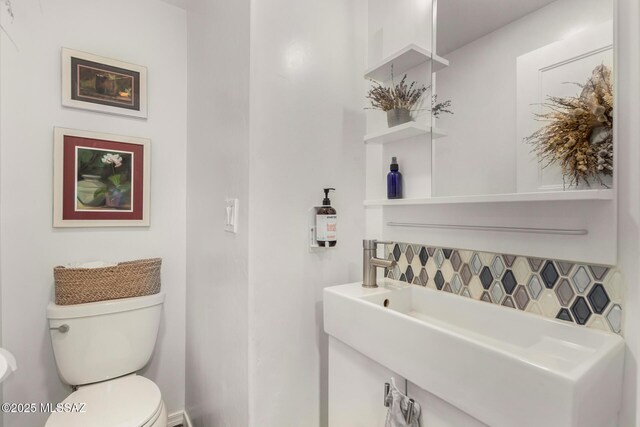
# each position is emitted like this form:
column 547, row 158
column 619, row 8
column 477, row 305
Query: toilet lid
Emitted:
column 129, row 401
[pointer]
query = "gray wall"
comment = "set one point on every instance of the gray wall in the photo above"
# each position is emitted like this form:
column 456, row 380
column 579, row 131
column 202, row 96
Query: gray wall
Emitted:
column 218, row 162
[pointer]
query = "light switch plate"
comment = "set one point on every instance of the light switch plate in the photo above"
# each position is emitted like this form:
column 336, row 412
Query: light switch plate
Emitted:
column 231, row 216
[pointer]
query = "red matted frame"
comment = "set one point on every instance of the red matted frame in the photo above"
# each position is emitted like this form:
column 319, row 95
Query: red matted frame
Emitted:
column 67, row 212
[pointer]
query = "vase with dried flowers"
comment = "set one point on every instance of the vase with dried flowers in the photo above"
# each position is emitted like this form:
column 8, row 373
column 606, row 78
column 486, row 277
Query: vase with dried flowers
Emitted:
column 396, row 100
column 578, row 135
column 399, row 100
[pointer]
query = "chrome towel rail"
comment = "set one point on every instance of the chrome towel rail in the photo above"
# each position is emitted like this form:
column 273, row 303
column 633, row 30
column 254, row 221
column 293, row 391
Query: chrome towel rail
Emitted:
column 533, row 230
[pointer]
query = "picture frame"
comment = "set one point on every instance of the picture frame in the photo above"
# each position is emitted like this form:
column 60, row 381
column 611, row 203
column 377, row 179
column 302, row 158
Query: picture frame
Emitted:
column 100, row 179
column 96, row 83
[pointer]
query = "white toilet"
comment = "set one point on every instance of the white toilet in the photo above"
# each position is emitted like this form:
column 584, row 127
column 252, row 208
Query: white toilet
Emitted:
column 98, row 347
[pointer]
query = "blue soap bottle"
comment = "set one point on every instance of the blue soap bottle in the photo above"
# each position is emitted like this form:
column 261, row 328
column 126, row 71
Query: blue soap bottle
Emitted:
column 394, row 181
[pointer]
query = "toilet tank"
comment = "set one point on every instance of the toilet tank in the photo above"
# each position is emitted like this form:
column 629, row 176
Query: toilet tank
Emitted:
column 104, row 340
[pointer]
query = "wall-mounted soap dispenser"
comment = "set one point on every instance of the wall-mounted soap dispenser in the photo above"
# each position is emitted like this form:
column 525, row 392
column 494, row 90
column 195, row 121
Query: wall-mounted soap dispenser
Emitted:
column 324, row 224
column 327, row 222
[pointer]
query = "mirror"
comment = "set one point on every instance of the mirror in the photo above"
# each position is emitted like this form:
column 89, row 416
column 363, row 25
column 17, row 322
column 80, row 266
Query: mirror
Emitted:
column 530, row 85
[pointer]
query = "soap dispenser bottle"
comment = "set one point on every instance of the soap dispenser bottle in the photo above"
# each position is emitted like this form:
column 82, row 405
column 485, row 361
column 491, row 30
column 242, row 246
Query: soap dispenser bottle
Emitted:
column 326, row 222
column 394, row 181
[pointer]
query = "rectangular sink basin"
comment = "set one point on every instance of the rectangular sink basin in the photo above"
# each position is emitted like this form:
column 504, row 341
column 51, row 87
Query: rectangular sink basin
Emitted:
column 502, row 366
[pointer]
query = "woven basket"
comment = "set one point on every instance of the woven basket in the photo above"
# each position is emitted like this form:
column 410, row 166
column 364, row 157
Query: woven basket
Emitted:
column 125, row 280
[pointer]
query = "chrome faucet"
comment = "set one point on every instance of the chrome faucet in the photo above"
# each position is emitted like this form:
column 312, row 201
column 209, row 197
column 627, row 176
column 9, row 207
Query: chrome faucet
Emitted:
column 370, row 263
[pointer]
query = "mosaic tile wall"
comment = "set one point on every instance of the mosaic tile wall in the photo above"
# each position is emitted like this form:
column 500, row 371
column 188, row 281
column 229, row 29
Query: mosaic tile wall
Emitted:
column 589, row 295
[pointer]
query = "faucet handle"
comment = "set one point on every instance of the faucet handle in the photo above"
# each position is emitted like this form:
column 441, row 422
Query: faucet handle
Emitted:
column 373, row 243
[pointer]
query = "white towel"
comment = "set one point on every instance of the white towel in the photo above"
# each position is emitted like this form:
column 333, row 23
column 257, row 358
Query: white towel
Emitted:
column 398, row 405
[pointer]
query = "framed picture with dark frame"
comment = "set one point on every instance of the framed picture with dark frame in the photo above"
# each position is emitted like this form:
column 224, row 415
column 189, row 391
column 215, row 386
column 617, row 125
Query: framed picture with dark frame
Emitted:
column 96, row 83
column 100, row 180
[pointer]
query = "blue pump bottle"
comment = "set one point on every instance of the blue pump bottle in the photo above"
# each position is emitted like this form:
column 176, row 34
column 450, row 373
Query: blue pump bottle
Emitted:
column 394, row 181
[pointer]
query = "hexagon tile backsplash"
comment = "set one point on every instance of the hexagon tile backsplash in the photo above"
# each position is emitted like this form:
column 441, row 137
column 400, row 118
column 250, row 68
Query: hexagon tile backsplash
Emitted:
column 583, row 294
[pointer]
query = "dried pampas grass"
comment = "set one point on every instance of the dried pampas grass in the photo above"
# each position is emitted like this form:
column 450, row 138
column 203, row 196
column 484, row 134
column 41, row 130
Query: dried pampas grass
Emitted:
column 579, row 133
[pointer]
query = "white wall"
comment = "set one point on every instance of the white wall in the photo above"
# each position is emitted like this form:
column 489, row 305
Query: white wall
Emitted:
column 307, row 123
column 256, row 350
column 391, row 26
column 146, row 32
column 628, row 158
column 481, row 146
column 218, row 161
column 3, row 16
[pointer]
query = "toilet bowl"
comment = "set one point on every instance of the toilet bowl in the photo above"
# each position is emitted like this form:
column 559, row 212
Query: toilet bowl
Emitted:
column 98, row 348
column 127, row 401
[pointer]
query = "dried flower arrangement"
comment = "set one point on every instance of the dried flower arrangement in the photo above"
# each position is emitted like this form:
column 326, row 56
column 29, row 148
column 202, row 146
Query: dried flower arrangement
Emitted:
column 579, row 133
column 401, row 96
column 398, row 96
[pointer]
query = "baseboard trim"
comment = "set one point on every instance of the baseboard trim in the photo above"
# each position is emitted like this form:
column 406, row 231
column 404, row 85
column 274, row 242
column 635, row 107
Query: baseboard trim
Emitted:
column 187, row 420
column 177, row 418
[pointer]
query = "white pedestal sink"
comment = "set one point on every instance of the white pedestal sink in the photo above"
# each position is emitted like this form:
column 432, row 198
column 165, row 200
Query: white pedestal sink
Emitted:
column 7, row 364
column 502, row 366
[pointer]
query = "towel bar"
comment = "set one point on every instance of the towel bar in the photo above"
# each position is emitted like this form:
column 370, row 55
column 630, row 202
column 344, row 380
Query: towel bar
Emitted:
column 561, row 231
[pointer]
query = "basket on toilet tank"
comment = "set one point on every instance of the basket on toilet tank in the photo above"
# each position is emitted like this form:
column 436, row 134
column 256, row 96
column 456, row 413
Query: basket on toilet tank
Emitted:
column 124, row 280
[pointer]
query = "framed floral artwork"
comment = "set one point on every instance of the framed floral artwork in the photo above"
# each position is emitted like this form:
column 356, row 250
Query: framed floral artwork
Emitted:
column 92, row 82
column 100, row 180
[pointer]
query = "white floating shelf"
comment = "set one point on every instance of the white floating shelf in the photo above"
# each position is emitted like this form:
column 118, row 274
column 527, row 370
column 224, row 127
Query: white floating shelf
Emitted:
column 403, row 60
column 607, row 194
column 403, row 131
